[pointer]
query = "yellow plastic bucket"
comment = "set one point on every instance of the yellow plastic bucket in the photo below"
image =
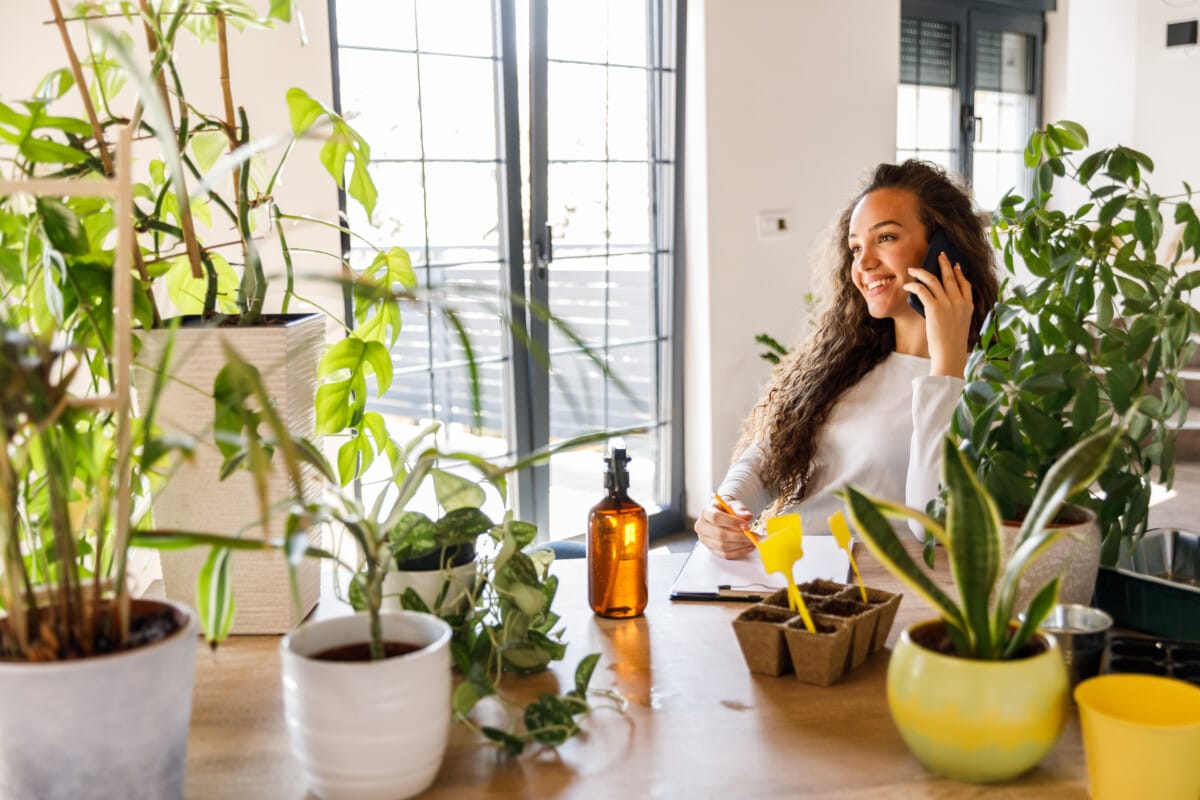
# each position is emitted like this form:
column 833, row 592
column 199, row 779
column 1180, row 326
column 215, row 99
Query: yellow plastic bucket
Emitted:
column 1141, row 736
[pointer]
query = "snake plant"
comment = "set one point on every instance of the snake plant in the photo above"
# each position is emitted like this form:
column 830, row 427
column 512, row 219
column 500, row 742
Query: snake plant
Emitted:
column 980, row 625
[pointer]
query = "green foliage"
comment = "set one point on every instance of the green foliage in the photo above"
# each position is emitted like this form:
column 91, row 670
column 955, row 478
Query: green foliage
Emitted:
column 1102, row 330
column 211, row 182
column 774, row 352
column 980, row 624
column 59, row 462
column 507, row 625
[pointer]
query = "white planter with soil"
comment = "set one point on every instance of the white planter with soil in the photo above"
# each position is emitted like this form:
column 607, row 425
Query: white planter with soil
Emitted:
column 368, row 730
column 286, row 355
column 1075, row 556
column 443, row 580
column 122, row 718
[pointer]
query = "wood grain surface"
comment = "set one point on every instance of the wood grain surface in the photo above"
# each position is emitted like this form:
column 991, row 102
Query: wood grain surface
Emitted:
column 698, row 724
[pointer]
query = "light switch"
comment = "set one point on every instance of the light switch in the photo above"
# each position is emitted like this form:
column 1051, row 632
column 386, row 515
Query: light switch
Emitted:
column 774, row 224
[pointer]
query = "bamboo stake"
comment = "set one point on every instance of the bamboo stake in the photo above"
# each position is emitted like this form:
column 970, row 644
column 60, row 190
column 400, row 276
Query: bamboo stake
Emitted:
column 77, row 71
column 227, row 96
column 97, row 130
column 123, row 294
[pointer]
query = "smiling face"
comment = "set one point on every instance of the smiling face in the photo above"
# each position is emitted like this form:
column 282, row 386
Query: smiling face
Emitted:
column 886, row 239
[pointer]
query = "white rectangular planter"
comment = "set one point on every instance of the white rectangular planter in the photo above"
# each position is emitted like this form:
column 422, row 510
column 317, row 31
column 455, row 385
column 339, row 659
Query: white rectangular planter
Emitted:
column 194, row 499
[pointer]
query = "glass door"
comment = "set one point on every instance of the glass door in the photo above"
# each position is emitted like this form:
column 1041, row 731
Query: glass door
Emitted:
column 1005, row 64
column 454, row 98
column 602, row 185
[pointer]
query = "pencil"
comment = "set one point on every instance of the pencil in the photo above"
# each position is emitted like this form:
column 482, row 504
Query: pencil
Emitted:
column 725, row 507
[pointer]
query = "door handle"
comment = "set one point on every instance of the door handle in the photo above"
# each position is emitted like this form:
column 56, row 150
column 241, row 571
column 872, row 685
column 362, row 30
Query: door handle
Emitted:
column 544, row 246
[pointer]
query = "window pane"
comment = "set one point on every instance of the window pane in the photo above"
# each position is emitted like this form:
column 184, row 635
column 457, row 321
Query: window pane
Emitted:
column 572, row 30
column 462, row 27
column 576, row 204
column 369, row 23
column 462, row 210
column 458, row 107
column 379, row 93
column 628, row 132
column 577, row 129
column 606, row 301
column 927, row 123
column 399, row 219
column 928, row 52
column 627, row 34
column 1006, row 112
column 629, row 207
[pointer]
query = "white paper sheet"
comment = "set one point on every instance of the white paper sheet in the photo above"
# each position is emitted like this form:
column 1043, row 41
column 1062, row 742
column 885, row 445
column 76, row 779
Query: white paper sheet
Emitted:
column 706, row 576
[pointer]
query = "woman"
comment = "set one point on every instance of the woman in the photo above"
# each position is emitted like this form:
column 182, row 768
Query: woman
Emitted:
column 869, row 396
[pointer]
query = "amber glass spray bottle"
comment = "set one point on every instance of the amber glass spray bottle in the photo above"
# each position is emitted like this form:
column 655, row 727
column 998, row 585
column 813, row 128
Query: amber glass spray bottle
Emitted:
column 618, row 539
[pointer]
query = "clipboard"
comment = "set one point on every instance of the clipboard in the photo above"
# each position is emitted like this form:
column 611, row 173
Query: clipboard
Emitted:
column 708, row 577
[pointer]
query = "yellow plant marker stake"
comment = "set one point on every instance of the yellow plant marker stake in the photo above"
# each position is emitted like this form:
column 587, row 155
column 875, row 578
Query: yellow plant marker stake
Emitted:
column 779, row 551
column 841, row 533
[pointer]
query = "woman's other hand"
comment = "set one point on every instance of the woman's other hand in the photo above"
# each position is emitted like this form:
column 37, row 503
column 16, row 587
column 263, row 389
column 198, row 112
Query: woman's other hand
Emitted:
column 948, row 310
column 722, row 533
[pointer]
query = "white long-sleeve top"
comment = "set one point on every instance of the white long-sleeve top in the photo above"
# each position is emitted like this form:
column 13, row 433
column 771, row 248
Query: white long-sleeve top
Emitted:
column 884, row 435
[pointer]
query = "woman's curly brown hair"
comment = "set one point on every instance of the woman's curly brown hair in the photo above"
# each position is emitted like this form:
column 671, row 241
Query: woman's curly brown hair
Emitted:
column 847, row 342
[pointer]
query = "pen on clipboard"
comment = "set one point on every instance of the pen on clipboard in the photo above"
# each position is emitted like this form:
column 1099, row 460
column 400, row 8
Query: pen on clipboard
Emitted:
column 725, row 507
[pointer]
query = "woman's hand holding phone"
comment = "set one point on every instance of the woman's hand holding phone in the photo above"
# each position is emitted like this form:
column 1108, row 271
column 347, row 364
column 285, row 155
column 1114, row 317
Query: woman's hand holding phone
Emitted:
column 948, row 307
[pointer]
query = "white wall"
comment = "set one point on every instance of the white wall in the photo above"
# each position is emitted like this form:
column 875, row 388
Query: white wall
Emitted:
column 797, row 99
column 1166, row 113
column 1108, row 67
column 1082, row 44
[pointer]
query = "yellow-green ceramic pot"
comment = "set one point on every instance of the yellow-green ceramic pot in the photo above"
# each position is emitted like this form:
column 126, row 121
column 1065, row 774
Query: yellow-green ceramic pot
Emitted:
column 971, row 720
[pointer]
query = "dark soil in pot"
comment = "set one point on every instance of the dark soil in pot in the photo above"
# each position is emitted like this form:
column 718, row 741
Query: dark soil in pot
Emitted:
column 448, row 556
column 933, row 637
column 361, row 651
column 149, row 622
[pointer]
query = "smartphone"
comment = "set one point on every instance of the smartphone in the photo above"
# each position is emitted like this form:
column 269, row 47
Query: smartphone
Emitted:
column 939, row 242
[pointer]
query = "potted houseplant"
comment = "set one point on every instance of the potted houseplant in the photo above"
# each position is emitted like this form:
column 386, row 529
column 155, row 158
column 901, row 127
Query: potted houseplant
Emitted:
column 78, row 657
column 977, row 696
column 1097, row 327
column 507, row 625
column 209, row 206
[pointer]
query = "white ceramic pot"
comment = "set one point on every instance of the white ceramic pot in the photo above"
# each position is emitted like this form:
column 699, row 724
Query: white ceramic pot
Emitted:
column 428, row 585
column 112, row 726
column 1076, row 556
column 286, row 356
column 369, row 730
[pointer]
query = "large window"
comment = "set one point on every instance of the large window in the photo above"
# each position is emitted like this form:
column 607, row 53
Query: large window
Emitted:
column 970, row 89
column 528, row 146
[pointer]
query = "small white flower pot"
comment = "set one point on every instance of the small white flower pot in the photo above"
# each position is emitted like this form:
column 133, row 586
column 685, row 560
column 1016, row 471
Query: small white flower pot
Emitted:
column 369, row 730
column 459, row 581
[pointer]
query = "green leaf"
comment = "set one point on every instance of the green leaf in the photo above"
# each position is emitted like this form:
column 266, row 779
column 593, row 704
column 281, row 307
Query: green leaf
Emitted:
column 974, row 550
column 454, row 491
column 413, row 535
column 464, row 698
column 462, row 525
column 548, row 720
column 513, row 745
column 583, row 673
column 303, row 110
column 1038, row 610
column 1087, row 404
column 214, row 595
column 281, row 10
column 62, row 226
column 885, row 545
column 207, row 147
column 1071, row 135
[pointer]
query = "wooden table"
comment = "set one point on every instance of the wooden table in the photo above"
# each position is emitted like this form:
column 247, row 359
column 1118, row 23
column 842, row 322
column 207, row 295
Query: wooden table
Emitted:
column 698, row 724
